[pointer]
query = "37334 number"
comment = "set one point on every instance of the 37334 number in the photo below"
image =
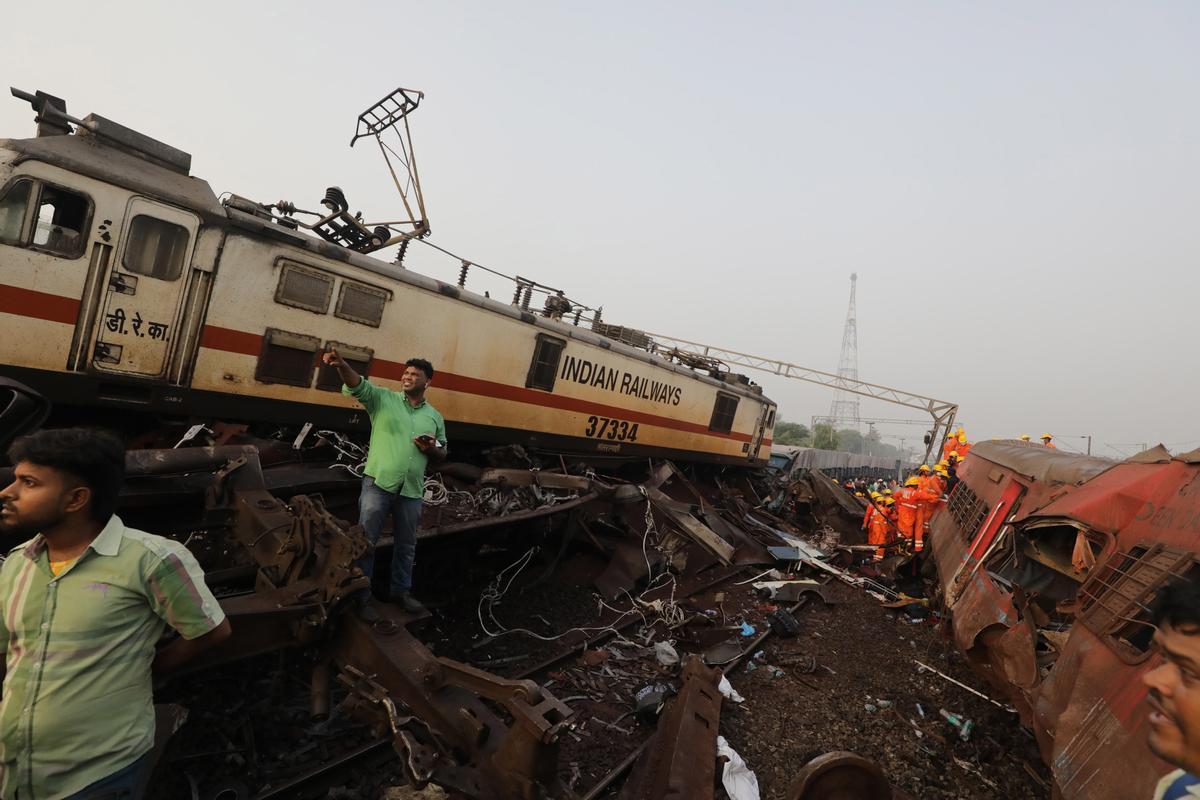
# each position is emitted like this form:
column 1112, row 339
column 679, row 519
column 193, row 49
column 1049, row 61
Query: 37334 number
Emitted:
column 616, row 429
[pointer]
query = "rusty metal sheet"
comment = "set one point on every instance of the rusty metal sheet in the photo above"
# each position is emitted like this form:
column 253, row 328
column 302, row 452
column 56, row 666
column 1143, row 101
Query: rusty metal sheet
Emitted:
column 680, row 764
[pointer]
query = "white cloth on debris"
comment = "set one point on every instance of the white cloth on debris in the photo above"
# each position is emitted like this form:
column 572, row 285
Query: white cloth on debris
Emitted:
column 739, row 781
column 665, row 653
column 726, row 688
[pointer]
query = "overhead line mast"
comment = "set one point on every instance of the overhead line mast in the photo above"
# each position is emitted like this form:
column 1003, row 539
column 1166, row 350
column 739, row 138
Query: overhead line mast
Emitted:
column 844, row 411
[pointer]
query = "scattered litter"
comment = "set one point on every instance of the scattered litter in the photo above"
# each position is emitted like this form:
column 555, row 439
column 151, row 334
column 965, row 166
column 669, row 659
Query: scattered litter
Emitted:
column 884, row 703
column 965, row 726
column 870, row 708
column 739, row 780
column 592, row 658
column 747, row 629
column 726, row 689
column 722, row 652
column 665, row 653
column 759, row 655
column 650, row 700
column 920, row 711
column 784, row 624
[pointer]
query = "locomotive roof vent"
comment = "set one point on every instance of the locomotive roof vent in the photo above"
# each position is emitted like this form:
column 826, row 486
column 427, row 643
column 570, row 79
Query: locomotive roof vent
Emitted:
column 53, row 120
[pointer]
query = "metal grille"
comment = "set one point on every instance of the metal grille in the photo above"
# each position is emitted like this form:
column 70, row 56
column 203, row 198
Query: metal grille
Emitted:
column 1117, row 595
column 363, row 304
column 966, row 509
column 287, row 358
column 304, row 288
column 630, row 336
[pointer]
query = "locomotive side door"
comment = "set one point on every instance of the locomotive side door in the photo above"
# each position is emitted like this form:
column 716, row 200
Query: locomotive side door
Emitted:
column 139, row 315
column 760, row 430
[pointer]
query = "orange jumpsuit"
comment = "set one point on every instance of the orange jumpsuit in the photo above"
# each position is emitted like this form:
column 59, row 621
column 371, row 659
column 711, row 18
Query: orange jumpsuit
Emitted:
column 871, row 512
column 931, row 484
column 908, row 504
column 963, row 449
column 1050, row 445
column 880, row 532
column 949, row 447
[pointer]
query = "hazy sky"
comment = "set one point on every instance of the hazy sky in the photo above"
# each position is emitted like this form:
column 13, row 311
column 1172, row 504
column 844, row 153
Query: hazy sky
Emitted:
column 1015, row 184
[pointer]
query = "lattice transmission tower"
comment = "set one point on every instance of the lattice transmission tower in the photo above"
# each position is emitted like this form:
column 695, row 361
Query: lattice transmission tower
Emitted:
column 844, row 412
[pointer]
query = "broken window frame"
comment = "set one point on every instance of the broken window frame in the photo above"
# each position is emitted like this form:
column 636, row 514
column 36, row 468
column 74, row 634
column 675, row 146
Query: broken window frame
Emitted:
column 544, row 342
column 33, row 203
column 359, row 359
column 1116, row 598
column 288, row 267
column 722, row 418
column 274, row 337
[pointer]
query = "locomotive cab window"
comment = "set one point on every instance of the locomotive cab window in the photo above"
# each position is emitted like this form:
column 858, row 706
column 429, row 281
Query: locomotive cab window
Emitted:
column 57, row 224
column 156, row 248
column 544, row 368
column 723, row 413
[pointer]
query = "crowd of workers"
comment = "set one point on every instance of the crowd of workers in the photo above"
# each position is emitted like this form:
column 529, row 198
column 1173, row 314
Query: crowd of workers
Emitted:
column 898, row 515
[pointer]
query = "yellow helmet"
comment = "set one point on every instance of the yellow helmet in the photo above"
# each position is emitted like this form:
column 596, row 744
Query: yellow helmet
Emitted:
column 962, row 437
column 940, row 470
column 1046, row 436
column 960, row 431
column 923, row 468
column 911, row 482
column 942, row 463
column 950, row 437
column 875, row 495
column 1024, row 437
column 887, row 501
column 887, row 493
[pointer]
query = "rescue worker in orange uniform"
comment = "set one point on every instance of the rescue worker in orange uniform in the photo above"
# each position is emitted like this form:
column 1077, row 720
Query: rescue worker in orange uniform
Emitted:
column 882, row 527
column 964, row 446
column 908, row 504
column 950, row 446
column 926, row 482
column 1046, row 440
column 872, row 510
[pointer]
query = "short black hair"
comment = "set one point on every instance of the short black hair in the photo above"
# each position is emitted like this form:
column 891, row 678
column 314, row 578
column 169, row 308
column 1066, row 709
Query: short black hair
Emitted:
column 1177, row 603
column 95, row 457
column 422, row 365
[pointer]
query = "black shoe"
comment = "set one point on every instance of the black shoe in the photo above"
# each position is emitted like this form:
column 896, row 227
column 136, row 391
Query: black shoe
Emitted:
column 367, row 613
column 409, row 603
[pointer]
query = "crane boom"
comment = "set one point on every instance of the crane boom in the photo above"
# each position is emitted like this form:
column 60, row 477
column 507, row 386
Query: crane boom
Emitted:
column 942, row 412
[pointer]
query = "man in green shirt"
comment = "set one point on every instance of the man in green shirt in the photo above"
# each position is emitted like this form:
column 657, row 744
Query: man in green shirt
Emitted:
column 82, row 606
column 406, row 433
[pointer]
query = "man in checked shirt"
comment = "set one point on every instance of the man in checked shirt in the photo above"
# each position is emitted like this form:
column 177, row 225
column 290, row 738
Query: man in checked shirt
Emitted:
column 82, row 605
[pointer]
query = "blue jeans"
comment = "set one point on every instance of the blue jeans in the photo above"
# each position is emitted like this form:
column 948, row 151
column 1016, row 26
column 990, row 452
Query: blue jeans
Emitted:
column 374, row 507
column 124, row 784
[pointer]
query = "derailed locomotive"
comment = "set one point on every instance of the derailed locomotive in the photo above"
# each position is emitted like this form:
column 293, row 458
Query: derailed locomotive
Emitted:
column 124, row 282
column 1049, row 562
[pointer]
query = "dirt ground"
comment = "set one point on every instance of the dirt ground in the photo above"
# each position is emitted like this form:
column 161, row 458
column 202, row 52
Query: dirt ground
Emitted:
column 868, row 704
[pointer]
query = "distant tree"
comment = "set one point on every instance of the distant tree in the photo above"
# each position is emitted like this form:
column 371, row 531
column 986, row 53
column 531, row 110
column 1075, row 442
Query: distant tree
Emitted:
column 824, row 437
column 792, row 433
column 850, row 441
